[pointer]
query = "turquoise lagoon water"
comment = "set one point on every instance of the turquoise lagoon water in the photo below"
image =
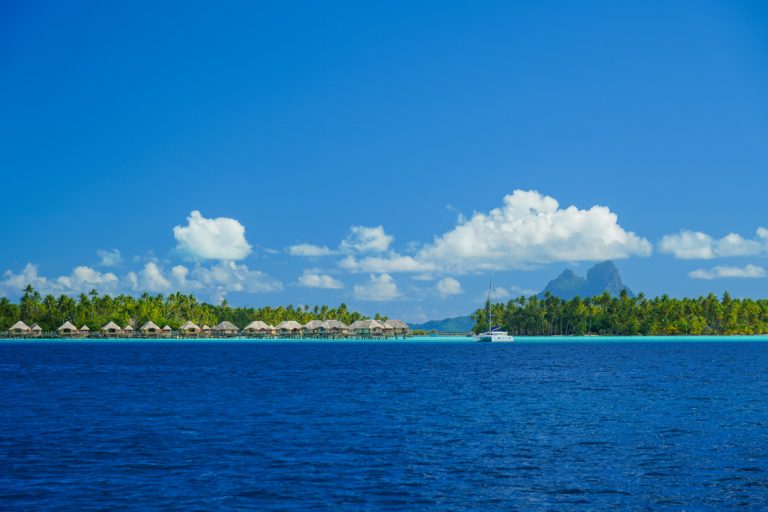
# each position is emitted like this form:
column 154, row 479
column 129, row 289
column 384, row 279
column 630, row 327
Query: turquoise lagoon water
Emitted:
column 427, row 424
column 422, row 339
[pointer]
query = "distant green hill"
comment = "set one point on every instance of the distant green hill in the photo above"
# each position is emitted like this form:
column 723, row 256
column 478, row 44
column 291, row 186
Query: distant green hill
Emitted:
column 456, row 324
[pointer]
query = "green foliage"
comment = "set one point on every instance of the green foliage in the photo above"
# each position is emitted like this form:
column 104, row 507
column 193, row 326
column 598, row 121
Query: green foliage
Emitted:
column 97, row 310
column 627, row 316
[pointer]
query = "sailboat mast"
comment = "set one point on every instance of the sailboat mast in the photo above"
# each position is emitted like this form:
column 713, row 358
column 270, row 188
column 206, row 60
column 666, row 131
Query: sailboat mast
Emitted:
column 490, row 315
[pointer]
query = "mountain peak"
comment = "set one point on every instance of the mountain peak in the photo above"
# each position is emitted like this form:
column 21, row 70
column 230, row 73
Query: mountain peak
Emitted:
column 603, row 277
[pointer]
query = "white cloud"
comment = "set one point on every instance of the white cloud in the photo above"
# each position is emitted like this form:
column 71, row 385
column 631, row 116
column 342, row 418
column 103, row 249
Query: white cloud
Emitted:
column 529, row 229
column 312, row 279
column 221, row 238
column 82, row 279
column 148, row 279
column 216, row 280
column 13, row 282
column 367, row 239
column 378, row 288
column 392, row 262
column 228, row 276
column 688, row 245
column 448, row 286
column 499, row 292
column 310, row 250
column 723, row 271
column 109, row 258
column 180, row 273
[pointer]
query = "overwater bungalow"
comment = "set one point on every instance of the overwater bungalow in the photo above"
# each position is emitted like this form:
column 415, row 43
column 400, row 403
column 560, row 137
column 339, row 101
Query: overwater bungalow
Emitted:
column 190, row 329
column 111, row 330
column 20, row 329
column 150, row 329
column 398, row 327
column 367, row 328
column 85, row 331
column 335, row 328
column 290, row 328
column 258, row 328
column 67, row 330
column 314, row 328
column 129, row 331
column 167, row 331
column 205, row 330
column 226, row 329
column 36, row 330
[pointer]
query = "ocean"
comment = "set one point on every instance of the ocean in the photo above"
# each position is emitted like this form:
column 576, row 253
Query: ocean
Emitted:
column 574, row 424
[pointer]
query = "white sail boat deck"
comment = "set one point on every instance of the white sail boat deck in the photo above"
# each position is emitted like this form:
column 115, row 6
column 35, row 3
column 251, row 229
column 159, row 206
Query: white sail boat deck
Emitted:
column 493, row 335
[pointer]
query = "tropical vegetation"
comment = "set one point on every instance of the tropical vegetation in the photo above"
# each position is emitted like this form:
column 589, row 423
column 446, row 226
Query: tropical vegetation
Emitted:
column 624, row 315
column 97, row 310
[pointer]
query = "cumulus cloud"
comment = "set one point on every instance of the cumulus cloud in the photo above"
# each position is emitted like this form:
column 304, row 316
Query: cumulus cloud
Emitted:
column 221, row 238
column 448, row 286
column 529, row 229
column 689, row 245
column 314, row 279
column 82, row 279
column 310, row 250
column 392, row 262
column 215, row 281
column 361, row 239
column 13, row 282
column 500, row 292
column 724, row 271
column 149, row 279
column 379, row 288
column 180, row 273
column 109, row 258
column 367, row 239
column 228, row 276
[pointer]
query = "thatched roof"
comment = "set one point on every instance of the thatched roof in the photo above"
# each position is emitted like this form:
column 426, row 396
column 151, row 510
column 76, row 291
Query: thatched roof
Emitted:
column 67, row 326
column 226, row 326
column 366, row 325
column 396, row 324
column 111, row 326
column 36, row 328
column 128, row 328
column 334, row 324
column 167, row 328
column 314, row 324
column 150, row 326
column 289, row 325
column 189, row 326
column 205, row 328
column 20, row 326
column 85, row 328
column 258, row 325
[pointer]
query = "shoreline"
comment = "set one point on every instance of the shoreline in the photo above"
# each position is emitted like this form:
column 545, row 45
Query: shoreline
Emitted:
column 409, row 339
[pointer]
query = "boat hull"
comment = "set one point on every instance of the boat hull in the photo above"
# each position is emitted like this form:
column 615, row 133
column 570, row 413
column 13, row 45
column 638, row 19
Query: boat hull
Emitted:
column 495, row 337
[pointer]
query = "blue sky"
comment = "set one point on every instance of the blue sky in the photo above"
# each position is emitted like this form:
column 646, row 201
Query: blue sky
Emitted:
column 383, row 134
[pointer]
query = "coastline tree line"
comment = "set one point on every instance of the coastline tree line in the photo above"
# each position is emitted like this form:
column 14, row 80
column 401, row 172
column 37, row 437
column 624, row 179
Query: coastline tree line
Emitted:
column 97, row 310
column 626, row 316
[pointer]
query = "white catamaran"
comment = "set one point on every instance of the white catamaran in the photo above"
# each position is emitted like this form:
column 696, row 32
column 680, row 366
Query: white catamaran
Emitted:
column 492, row 334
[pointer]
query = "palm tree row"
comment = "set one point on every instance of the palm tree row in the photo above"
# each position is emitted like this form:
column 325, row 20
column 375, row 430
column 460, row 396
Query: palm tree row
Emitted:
column 627, row 316
column 96, row 310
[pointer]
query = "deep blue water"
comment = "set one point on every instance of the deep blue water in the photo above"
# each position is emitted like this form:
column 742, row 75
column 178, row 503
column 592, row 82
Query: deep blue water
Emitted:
column 383, row 426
